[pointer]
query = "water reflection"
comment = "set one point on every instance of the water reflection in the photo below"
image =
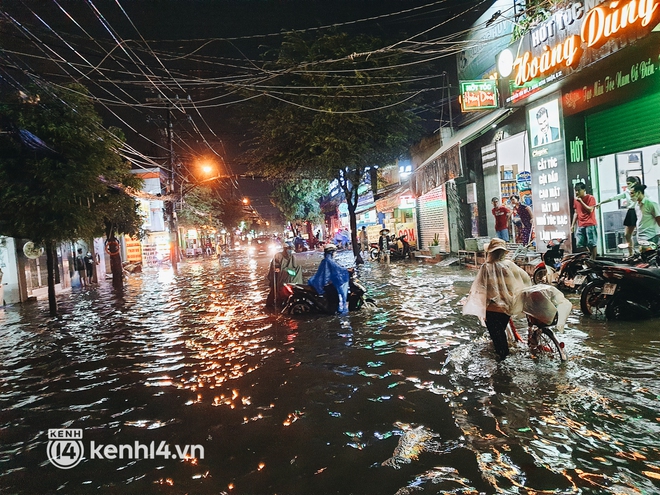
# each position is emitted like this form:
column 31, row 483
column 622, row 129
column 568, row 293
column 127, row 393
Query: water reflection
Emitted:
column 402, row 399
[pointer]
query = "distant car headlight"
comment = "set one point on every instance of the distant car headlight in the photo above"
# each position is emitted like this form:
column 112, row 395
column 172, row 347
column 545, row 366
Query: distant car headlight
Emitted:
column 251, row 250
column 273, row 248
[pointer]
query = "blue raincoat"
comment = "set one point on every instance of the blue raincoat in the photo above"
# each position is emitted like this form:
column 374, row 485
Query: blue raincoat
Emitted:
column 330, row 271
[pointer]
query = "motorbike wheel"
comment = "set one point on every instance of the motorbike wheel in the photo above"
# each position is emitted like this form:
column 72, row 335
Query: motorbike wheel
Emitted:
column 373, row 254
column 540, row 276
column 592, row 300
column 548, row 343
column 370, row 304
column 299, row 308
column 620, row 307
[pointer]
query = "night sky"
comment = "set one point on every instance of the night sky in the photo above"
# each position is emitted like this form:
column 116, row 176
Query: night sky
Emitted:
column 119, row 48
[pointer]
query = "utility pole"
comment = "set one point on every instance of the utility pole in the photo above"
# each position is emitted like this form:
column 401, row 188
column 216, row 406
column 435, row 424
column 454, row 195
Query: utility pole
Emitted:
column 170, row 206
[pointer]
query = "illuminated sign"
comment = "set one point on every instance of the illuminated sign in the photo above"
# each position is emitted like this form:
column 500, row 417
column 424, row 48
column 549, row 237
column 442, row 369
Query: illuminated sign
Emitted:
column 548, row 178
column 478, row 95
column 557, row 46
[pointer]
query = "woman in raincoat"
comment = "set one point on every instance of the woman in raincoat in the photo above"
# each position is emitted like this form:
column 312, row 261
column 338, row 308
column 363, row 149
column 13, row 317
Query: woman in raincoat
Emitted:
column 495, row 294
column 329, row 271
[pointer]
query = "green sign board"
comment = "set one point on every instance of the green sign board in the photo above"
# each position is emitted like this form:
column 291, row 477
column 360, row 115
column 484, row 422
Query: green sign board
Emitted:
column 478, row 95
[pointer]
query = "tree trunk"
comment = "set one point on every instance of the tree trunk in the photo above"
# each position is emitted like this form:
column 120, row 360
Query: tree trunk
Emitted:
column 115, row 265
column 50, row 268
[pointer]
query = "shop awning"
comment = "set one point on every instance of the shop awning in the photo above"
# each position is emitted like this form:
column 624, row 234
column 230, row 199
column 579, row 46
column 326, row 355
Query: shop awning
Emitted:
column 392, row 199
column 470, row 133
column 445, row 164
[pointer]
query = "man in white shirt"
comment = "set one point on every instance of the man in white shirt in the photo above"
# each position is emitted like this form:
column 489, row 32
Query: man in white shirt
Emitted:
column 648, row 215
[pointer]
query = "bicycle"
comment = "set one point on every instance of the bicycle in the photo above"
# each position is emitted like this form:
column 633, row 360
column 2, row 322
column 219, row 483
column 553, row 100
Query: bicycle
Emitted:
column 544, row 306
column 541, row 340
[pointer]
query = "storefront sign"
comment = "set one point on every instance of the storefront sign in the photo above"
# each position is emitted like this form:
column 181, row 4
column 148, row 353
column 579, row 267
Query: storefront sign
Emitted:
column 624, row 77
column 489, row 36
column 478, row 95
column 549, row 184
column 133, row 249
column 570, row 40
column 408, row 229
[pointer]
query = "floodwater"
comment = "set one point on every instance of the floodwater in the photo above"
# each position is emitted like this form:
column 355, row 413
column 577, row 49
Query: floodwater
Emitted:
column 404, row 399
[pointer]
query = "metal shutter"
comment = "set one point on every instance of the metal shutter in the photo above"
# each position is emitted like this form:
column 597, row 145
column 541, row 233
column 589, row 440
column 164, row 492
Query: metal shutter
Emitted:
column 628, row 126
column 432, row 214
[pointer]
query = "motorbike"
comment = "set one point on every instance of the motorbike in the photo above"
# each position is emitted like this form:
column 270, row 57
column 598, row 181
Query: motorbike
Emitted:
column 304, row 299
column 592, row 300
column 631, row 293
column 560, row 269
column 399, row 248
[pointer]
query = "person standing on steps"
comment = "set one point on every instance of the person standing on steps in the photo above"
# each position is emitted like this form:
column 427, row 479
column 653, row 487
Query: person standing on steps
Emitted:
column 648, row 215
column 502, row 215
column 630, row 222
column 586, row 234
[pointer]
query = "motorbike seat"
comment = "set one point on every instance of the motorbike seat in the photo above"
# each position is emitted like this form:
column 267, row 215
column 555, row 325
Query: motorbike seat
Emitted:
column 304, row 288
column 650, row 272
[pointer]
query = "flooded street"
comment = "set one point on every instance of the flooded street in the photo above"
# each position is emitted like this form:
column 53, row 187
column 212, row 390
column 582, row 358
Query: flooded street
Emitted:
column 404, row 399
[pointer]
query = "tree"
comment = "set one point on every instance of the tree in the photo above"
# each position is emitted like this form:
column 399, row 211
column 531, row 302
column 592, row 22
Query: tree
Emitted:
column 300, row 200
column 58, row 190
column 343, row 113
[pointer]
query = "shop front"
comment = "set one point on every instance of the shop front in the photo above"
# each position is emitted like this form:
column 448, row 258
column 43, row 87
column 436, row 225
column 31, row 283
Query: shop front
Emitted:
column 588, row 81
column 398, row 215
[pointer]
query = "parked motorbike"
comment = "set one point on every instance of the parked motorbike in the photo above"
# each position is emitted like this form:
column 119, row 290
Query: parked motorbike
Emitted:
column 631, row 293
column 592, row 300
column 560, row 269
column 304, row 298
column 399, row 248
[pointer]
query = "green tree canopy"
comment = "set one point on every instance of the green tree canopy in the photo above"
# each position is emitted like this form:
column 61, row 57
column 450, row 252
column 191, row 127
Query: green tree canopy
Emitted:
column 300, row 200
column 346, row 108
column 62, row 192
column 60, row 172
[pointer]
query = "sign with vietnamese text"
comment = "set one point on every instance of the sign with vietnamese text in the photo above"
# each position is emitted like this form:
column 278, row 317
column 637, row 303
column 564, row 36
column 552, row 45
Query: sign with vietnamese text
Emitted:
column 572, row 38
column 478, row 95
column 549, row 183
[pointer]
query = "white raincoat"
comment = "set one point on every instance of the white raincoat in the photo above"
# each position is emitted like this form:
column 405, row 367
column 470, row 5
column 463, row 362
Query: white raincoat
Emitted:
column 497, row 287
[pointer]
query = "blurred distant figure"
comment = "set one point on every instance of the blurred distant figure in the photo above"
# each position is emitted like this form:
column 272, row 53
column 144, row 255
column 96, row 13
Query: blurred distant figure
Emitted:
column 384, row 246
column 79, row 262
column 364, row 239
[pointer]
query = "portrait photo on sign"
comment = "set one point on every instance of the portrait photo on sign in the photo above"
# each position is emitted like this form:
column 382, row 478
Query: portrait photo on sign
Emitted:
column 544, row 123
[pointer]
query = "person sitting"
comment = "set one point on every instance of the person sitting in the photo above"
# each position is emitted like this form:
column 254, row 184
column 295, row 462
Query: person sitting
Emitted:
column 330, row 272
column 283, row 270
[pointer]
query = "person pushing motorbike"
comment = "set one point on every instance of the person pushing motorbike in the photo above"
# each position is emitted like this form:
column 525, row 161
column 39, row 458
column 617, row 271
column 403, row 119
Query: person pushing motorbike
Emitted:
column 283, row 270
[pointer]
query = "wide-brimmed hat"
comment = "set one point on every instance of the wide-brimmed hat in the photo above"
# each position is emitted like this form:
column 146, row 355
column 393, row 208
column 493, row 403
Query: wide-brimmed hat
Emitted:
column 496, row 244
column 329, row 248
column 385, row 231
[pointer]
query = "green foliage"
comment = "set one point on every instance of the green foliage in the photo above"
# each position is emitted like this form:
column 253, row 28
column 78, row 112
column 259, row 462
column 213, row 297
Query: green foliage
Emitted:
column 536, row 11
column 300, row 200
column 345, row 117
column 436, row 240
column 59, row 195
